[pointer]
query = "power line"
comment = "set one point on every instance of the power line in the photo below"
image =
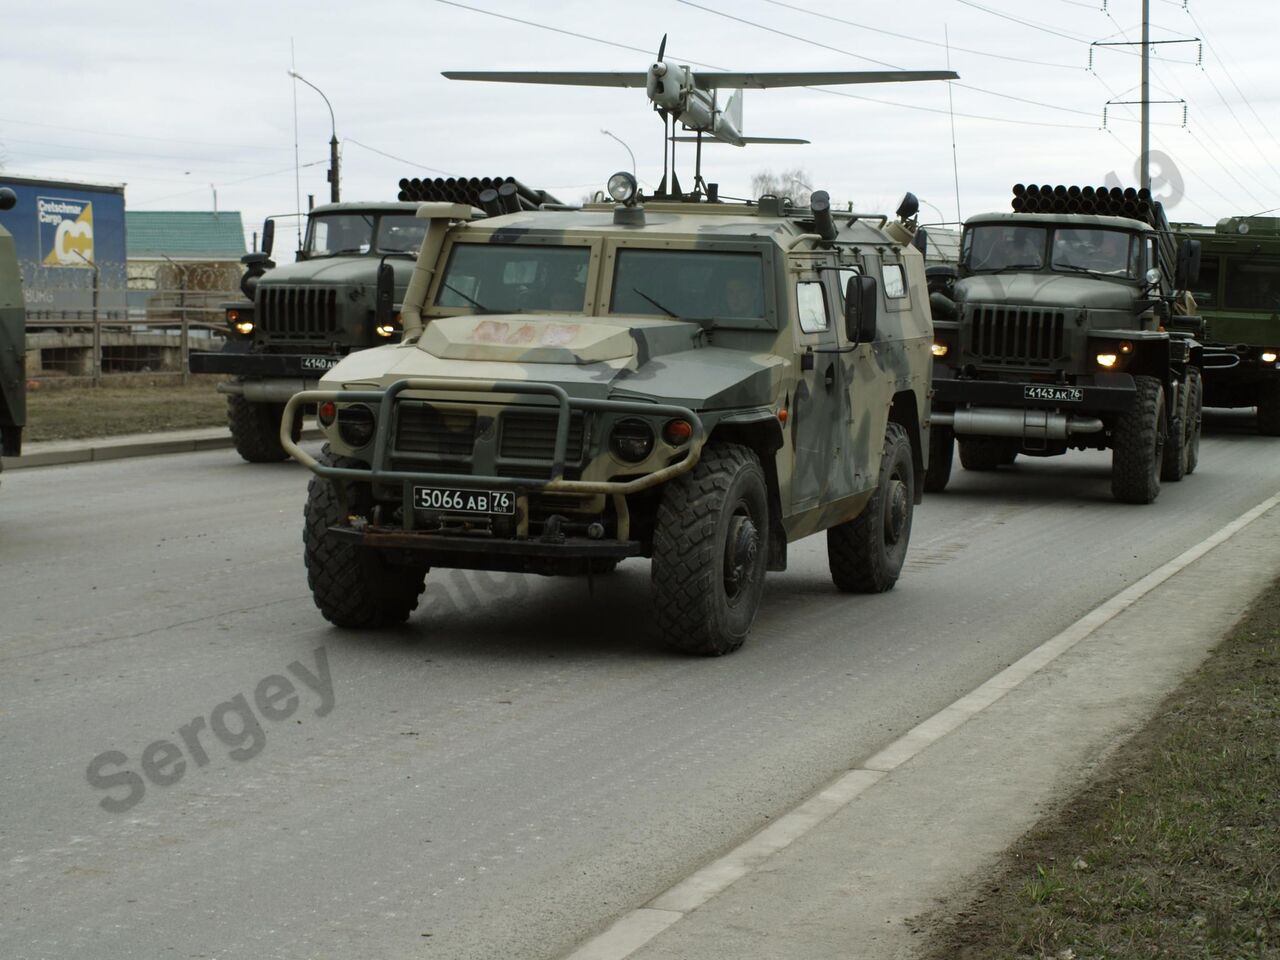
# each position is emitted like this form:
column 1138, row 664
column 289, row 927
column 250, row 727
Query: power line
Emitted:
column 391, row 156
column 1214, row 51
column 230, row 183
column 137, row 136
column 567, row 33
column 931, row 43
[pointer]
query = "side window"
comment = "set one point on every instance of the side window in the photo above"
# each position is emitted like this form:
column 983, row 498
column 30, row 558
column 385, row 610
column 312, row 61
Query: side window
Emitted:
column 811, row 300
column 895, row 281
column 847, row 274
column 1153, row 260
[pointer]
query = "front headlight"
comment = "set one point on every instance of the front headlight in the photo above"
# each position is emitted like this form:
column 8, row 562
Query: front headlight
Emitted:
column 940, row 349
column 631, row 440
column 240, row 321
column 1268, row 356
column 1107, row 360
column 356, row 425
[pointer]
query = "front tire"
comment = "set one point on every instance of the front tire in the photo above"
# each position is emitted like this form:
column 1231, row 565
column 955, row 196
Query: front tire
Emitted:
column 255, row 429
column 353, row 586
column 942, row 449
column 866, row 554
column 710, row 550
column 1138, row 445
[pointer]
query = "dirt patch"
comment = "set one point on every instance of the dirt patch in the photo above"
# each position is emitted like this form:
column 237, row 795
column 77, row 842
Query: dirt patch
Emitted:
column 82, row 413
column 1173, row 851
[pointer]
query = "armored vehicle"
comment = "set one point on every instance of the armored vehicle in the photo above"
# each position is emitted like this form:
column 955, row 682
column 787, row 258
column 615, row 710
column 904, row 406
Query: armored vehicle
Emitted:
column 696, row 383
column 13, row 331
column 299, row 319
column 1238, row 294
column 1066, row 327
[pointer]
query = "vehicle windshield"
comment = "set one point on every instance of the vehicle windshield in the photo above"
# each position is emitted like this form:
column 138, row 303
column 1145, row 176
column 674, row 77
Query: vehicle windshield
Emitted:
column 400, row 233
column 511, row 278
column 1113, row 253
column 690, row 284
column 991, row 248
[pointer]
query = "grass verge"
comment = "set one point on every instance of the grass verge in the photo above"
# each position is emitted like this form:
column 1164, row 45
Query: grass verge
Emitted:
column 79, row 413
column 1174, row 850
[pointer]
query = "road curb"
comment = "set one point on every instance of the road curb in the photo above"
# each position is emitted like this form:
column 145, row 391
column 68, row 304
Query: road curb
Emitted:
column 104, row 449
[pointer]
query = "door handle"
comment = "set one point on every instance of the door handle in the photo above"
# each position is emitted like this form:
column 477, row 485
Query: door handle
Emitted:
column 830, row 376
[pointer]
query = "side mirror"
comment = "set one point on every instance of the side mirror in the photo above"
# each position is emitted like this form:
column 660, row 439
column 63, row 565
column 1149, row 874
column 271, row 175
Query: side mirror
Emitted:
column 268, row 236
column 384, row 296
column 1188, row 264
column 7, row 198
column 921, row 241
column 860, row 301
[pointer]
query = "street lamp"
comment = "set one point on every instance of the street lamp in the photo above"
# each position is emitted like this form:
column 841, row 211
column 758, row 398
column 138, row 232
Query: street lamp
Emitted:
column 625, row 147
column 333, row 139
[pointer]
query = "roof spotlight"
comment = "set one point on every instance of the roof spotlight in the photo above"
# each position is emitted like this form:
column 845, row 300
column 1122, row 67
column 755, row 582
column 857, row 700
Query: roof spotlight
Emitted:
column 622, row 187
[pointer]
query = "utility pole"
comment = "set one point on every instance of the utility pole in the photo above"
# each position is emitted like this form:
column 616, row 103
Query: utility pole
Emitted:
column 333, row 139
column 1146, row 96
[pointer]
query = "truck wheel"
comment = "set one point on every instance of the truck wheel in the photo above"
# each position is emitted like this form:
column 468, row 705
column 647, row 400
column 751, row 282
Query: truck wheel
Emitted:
column 1138, row 445
column 255, row 429
column 984, row 453
column 866, row 554
column 1195, row 416
column 942, row 449
column 710, row 549
column 1269, row 409
column 1173, row 463
column 353, row 586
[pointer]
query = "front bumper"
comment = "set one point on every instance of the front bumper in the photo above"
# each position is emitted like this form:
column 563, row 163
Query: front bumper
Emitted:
column 382, row 472
column 1101, row 393
column 263, row 366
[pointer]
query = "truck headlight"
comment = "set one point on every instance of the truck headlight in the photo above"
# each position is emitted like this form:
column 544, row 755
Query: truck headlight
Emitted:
column 240, row 321
column 355, row 424
column 939, row 349
column 1107, row 360
column 1268, row 356
column 388, row 330
column 631, row 440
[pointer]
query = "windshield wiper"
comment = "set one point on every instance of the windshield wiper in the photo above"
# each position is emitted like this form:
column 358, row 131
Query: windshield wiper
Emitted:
column 1007, row 267
column 667, row 310
column 471, row 300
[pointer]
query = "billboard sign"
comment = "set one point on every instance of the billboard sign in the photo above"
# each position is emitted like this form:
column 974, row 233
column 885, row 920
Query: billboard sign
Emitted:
column 66, row 231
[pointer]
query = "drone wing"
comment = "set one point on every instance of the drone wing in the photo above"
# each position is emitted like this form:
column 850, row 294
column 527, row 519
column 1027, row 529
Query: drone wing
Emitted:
column 711, row 138
column 554, row 77
column 764, row 81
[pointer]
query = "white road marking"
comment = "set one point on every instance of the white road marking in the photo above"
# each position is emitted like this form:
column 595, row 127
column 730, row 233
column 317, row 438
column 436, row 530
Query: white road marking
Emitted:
column 636, row 928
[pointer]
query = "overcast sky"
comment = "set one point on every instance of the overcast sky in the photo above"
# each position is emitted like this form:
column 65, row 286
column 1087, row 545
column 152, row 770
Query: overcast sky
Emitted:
column 175, row 99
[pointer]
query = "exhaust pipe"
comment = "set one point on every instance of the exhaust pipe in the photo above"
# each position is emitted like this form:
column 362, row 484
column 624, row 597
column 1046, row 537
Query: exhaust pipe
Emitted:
column 1026, row 424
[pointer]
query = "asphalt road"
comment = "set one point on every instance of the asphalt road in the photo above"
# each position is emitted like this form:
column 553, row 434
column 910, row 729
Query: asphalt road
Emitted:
column 514, row 768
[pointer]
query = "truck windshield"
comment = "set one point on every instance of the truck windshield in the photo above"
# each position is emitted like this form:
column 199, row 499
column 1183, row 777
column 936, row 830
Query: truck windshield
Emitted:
column 690, row 284
column 333, row 234
column 1004, row 247
column 1113, row 253
column 400, row 233
column 510, row 278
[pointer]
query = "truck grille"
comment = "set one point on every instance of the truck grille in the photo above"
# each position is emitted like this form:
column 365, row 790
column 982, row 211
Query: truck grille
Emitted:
column 532, row 436
column 421, row 428
column 298, row 313
column 1017, row 335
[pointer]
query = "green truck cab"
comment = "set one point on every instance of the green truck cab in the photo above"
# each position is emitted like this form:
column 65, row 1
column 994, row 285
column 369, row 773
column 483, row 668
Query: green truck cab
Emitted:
column 696, row 383
column 297, row 320
column 1067, row 328
column 13, row 332
column 1238, row 294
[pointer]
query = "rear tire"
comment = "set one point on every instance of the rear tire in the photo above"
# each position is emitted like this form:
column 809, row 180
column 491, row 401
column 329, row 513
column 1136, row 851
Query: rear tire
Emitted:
column 1269, row 409
column 353, row 586
column 1138, row 445
column 866, row 554
column 942, row 450
column 1195, row 407
column 255, row 429
column 710, row 551
column 1173, row 463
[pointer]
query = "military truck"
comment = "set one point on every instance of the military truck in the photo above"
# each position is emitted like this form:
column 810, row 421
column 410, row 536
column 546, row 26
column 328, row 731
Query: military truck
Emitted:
column 1068, row 327
column 13, row 331
column 299, row 319
column 1238, row 294
column 696, row 383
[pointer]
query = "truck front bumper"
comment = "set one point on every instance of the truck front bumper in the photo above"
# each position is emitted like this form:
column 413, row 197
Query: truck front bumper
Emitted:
column 263, row 366
column 1033, row 411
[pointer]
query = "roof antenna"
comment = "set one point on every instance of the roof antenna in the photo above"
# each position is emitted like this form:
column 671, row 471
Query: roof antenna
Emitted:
column 955, row 164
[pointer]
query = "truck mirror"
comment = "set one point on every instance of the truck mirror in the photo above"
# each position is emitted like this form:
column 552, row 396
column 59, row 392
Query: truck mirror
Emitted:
column 921, row 241
column 860, row 309
column 7, row 198
column 384, row 296
column 268, row 235
column 1188, row 264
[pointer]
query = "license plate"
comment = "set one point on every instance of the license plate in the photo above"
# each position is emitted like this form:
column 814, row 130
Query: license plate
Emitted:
column 1054, row 394
column 446, row 500
column 319, row 363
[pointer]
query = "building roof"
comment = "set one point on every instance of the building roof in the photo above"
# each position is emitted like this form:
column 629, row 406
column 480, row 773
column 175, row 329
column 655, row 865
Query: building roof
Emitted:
column 35, row 181
column 184, row 234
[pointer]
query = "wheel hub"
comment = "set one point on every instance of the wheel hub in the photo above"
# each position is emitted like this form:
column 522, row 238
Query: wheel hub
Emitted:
column 896, row 510
column 742, row 547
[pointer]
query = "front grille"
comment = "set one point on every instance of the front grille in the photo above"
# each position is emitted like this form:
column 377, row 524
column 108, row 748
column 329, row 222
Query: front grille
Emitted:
column 532, row 436
column 297, row 313
column 1017, row 335
column 421, row 428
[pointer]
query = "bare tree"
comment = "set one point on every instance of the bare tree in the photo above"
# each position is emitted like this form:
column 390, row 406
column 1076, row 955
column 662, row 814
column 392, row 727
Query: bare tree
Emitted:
column 794, row 183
